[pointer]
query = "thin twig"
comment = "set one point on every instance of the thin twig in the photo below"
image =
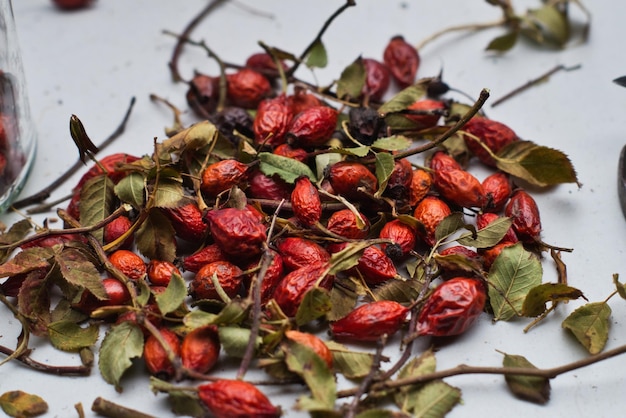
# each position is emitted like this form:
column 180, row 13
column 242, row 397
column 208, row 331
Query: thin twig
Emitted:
column 467, row 27
column 534, row 82
column 45, row 192
column 25, row 359
column 369, row 379
column 107, row 408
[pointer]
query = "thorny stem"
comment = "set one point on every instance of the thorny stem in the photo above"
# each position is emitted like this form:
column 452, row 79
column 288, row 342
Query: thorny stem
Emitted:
column 318, row 38
column 461, row 369
column 25, row 359
column 44, row 193
column 534, row 82
column 178, row 49
column 107, row 408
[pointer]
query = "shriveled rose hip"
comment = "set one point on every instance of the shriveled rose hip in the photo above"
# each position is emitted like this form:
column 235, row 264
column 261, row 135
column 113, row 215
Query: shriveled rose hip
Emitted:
column 432, row 111
column 292, row 288
column 450, row 268
column 498, row 190
column 371, row 321
column 313, row 342
column 452, row 307
column 262, row 186
column 229, row 276
column 440, row 161
column 402, row 236
column 273, row 275
column 203, row 94
column 352, row 179
column 117, row 228
column 402, row 59
column 459, row 187
column 484, row 219
column 376, row 267
column 200, row 349
column 430, row 212
column 344, row 223
column 72, row 4
column 420, row 186
column 313, row 126
column 490, row 254
column 272, row 121
column 129, row 263
column 264, row 63
column 160, row 272
column 246, row 88
column 305, row 202
column 399, row 182
column 298, row 252
column 188, row 221
column 495, row 135
column 113, row 164
column 286, row 150
column 221, row 176
column 377, row 79
column 205, row 255
column 524, row 212
column 155, row 356
column 236, row 398
column 301, row 100
column 238, row 232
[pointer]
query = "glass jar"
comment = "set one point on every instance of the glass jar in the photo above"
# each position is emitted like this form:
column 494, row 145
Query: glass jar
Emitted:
column 17, row 133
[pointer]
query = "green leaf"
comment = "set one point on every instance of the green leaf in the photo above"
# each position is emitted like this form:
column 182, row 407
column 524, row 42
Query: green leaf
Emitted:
column 531, row 388
column 198, row 318
column 169, row 193
column 317, row 57
column 590, row 325
column 377, row 413
column 540, row 166
column 392, row 143
column 487, row 236
column 303, row 361
column 449, row 225
column 401, row 291
column 120, row 345
column 315, row 304
column 403, row 99
column 458, row 262
column 351, row 364
column 96, row 202
column 234, row 340
column 503, row 43
column 21, row 404
column 417, row 366
column 16, row 232
column 322, row 161
column 69, row 336
column 535, row 302
column 286, row 168
column 435, row 399
column 348, row 257
column 513, row 274
column 352, row 80
column 360, row 152
column 343, row 297
column 621, row 289
column 155, row 238
column 553, row 24
column 78, row 270
column 185, row 403
column 173, row 296
column 195, row 137
column 384, row 167
column 131, row 190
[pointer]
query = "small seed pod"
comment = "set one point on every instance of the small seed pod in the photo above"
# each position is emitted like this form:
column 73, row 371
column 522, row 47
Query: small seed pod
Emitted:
column 155, row 356
column 371, row 321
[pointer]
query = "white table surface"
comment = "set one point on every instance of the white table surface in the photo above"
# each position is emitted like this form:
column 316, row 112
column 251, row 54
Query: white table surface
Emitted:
column 90, row 63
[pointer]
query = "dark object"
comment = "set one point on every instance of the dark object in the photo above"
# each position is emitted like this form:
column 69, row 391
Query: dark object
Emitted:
column 620, row 81
column 621, row 180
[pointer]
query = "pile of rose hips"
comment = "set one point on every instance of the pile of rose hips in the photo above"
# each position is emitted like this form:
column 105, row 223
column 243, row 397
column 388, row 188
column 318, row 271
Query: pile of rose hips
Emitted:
column 224, row 250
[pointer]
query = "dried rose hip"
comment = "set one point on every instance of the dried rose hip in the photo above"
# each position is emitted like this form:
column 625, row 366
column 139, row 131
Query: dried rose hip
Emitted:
column 403, row 237
column 203, row 94
column 286, row 150
column 399, row 182
column 313, row 126
column 52, row 240
column 459, row 187
column 129, row 263
column 305, row 202
column 272, row 121
column 117, row 228
column 524, row 212
column 200, row 349
column 432, row 111
column 376, row 267
column 430, row 212
column 313, row 342
column 221, row 176
column 452, row 307
column 498, row 190
column 471, row 260
column 155, row 356
column 205, row 255
column 484, row 219
column 262, row 186
column 292, row 288
column 160, row 272
column 246, row 88
column 377, row 79
column 238, row 232
column 440, row 161
column 264, row 63
column 113, row 164
column 365, row 124
column 420, row 186
column 273, row 275
column 402, row 59
column 187, row 221
column 493, row 134
column 236, row 398
column 371, row 321
column 344, row 223
column 490, row 254
column 352, row 180
column 298, row 252
column 301, row 100
column 229, row 276
column 72, row 4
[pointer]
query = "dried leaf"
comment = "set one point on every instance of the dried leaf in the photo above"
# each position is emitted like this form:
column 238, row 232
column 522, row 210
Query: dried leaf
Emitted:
column 185, row 403
column 33, row 301
column 198, row 318
column 322, row 161
column 348, row 257
column 417, row 366
column 234, row 340
column 303, row 361
column 531, row 388
column 536, row 164
column 343, row 297
column 155, row 237
column 16, row 232
column 458, row 262
column 131, row 190
column 384, row 168
column 315, row 304
column 403, row 99
column 173, row 296
column 435, row 399
column 487, row 236
column 96, row 202
column 552, row 24
column 503, row 43
column 317, row 56
column 513, row 274
column 401, row 291
column 78, row 270
column 535, row 302
column 392, row 143
column 69, row 336
column 621, row 289
column 286, row 168
column 193, row 138
column 120, row 345
column 351, row 364
column 27, row 260
column 169, row 193
column 449, row 225
column 21, row 404
column 590, row 325
column 351, row 81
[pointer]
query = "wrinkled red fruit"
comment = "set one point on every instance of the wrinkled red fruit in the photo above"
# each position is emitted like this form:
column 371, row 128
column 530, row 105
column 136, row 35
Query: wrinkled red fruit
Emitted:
column 273, row 275
column 236, row 398
column 228, row 275
column 452, row 307
column 497, row 188
column 430, row 212
column 402, row 59
column 313, row 342
column 493, row 134
column 305, row 202
column 187, row 221
column 484, row 219
column 523, row 211
column 117, row 228
column 262, row 186
column 371, row 321
column 298, row 252
column 72, row 4
column 376, row 267
column 313, row 126
column 272, row 121
column 344, row 223
column 246, row 88
column 352, row 180
column 426, row 113
column 403, row 239
column 155, row 356
column 200, row 349
column 238, row 232
column 160, row 272
column 292, row 288
column 205, row 255
column 459, row 187
column 377, row 79
column 221, row 176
